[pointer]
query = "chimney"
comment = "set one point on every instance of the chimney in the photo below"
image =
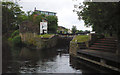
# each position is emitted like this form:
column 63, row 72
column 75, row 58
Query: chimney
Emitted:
column 35, row 9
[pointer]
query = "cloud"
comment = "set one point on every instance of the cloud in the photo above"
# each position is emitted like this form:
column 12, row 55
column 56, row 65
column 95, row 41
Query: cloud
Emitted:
column 63, row 8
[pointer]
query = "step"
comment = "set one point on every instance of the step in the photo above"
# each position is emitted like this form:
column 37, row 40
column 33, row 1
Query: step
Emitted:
column 106, row 42
column 113, row 51
column 101, row 54
column 109, row 44
column 103, row 46
column 96, row 48
column 108, row 39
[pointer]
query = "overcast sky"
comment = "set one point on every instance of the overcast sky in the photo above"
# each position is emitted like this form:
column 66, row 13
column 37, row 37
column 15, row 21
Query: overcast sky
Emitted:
column 63, row 8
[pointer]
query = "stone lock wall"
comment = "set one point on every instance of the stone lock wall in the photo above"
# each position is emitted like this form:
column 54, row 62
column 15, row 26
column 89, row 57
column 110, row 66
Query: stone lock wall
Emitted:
column 51, row 42
column 27, row 36
column 32, row 38
column 73, row 48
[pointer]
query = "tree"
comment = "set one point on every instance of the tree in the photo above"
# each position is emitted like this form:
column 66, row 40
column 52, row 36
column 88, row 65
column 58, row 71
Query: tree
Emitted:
column 81, row 31
column 74, row 29
column 52, row 24
column 103, row 17
column 10, row 17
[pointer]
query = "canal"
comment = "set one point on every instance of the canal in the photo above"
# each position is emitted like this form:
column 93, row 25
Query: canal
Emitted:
column 24, row 60
column 54, row 60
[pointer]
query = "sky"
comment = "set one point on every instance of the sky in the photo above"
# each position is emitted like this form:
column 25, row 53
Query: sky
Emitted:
column 64, row 9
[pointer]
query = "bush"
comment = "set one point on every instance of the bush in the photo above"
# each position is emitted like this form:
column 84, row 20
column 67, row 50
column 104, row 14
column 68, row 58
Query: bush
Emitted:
column 9, row 39
column 31, row 42
column 16, row 40
column 16, row 32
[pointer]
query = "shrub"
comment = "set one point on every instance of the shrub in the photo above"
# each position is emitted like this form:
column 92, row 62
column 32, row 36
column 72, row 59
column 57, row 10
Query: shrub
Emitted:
column 9, row 39
column 16, row 32
column 32, row 42
column 16, row 40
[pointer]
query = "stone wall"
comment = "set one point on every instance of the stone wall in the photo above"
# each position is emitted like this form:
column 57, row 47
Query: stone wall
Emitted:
column 73, row 48
column 27, row 36
column 29, row 27
column 50, row 42
column 32, row 38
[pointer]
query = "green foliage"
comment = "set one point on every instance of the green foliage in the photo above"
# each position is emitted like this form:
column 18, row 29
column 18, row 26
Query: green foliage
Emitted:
column 10, row 39
column 23, row 17
column 37, row 19
column 66, row 30
column 58, row 31
column 31, row 42
column 16, row 32
column 46, row 35
column 74, row 29
column 52, row 24
column 78, row 31
column 11, row 17
column 102, row 16
column 16, row 40
column 52, row 21
column 81, row 38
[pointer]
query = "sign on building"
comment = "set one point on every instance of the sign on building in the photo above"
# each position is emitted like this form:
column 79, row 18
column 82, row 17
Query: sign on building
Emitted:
column 43, row 27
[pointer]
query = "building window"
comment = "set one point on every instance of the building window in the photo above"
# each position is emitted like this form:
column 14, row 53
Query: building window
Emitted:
column 46, row 13
column 51, row 13
column 42, row 12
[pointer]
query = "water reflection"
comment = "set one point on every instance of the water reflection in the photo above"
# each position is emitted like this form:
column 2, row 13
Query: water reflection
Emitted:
column 54, row 60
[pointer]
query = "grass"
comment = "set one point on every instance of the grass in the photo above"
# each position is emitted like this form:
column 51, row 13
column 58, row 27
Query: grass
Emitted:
column 46, row 35
column 81, row 38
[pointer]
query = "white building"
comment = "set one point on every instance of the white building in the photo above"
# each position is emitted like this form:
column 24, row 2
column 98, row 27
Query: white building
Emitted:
column 43, row 27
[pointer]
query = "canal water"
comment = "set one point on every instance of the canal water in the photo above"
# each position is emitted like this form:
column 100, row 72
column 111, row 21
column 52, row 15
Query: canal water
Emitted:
column 54, row 60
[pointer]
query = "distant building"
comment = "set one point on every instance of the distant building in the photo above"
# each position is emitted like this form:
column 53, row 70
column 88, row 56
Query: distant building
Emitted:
column 30, row 27
column 63, row 30
column 43, row 27
column 69, row 31
column 39, row 12
column 60, row 28
column 43, row 24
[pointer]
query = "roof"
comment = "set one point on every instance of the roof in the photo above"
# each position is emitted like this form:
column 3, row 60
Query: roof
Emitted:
column 62, row 27
column 46, row 11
